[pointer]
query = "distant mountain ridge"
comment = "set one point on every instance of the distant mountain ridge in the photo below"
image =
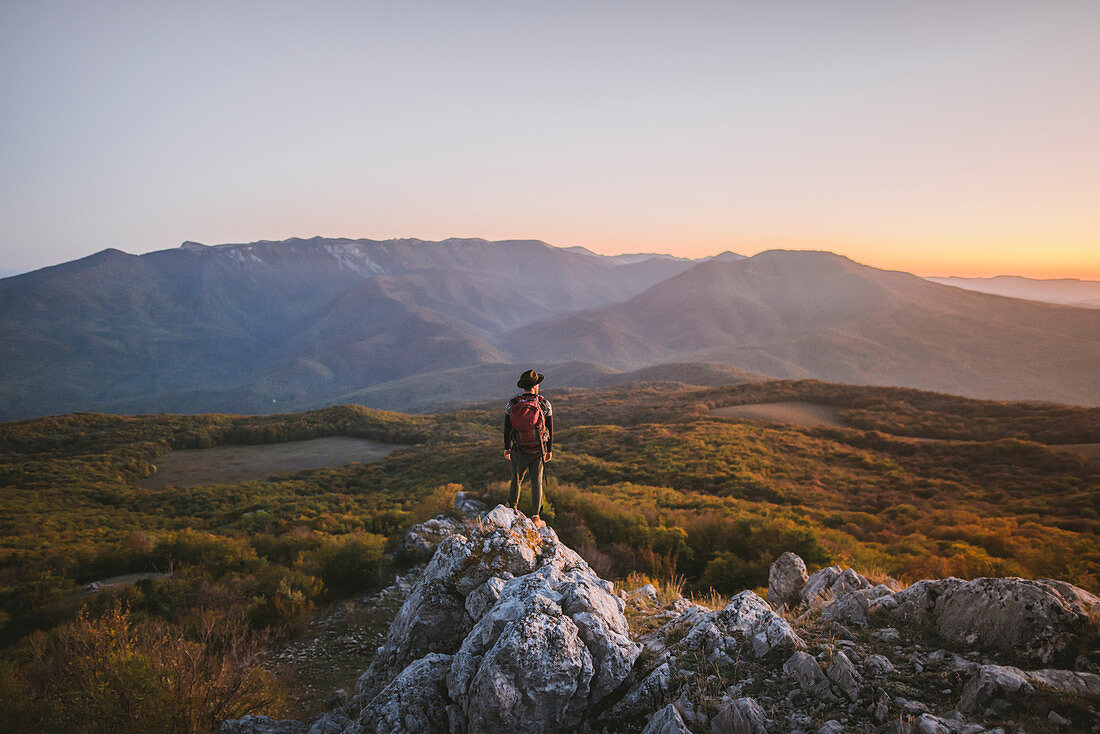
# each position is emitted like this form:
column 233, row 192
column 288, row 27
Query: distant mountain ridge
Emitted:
column 1066, row 291
column 275, row 326
column 796, row 314
column 280, row 324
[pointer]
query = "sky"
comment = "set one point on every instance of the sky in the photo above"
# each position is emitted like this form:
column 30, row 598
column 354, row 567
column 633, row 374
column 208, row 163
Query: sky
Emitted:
column 938, row 137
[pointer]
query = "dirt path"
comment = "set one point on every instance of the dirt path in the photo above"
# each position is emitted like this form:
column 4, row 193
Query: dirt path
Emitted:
column 810, row 415
column 227, row 464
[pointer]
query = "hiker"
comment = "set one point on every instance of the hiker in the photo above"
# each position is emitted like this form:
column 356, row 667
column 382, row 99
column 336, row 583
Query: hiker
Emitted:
column 528, row 440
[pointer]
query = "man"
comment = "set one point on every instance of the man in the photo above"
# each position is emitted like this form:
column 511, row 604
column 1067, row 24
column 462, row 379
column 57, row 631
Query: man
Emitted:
column 528, row 439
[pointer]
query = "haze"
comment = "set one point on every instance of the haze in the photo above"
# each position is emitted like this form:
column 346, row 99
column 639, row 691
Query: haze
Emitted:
column 942, row 139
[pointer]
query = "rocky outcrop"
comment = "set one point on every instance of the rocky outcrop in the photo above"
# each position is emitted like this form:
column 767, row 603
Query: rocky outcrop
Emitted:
column 994, row 689
column 508, row 630
column 1038, row 622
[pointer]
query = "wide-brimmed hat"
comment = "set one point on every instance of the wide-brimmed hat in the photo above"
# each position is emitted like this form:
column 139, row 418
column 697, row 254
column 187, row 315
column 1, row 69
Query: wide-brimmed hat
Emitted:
column 530, row 378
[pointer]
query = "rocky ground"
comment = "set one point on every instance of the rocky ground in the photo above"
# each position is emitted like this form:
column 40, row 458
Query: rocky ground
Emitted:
column 509, row 630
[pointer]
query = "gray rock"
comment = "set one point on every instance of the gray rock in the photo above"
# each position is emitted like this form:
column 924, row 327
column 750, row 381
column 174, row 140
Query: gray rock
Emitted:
column 481, row 599
column 420, row 541
column 845, row 677
column 929, row 724
column 878, row 665
column 644, row 695
column 832, row 726
column 830, row 583
column 786, row 579
column 513, row 631
column 1070, row 682
column 262, row 725
column 739, row 716
column 1057, row 719
column 993, row 683
column 1039, row 621
column 804, row 669
column 648, row 592
column 412, row 702
column 746, row 620
column 666, row 721
column 334, row 722
column 468, row 504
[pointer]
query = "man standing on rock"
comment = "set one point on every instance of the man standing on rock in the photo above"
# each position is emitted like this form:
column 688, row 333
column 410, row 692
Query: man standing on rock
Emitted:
column 528, row 439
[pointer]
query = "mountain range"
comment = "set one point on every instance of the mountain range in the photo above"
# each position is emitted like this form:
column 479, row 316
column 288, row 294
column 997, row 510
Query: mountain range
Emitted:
column 274, row 326
column 1067, row 291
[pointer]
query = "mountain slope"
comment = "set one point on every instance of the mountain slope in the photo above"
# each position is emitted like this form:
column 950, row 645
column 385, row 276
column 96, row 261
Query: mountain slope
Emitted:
column 235, row 327
column 810, row 314
column 1066, row 291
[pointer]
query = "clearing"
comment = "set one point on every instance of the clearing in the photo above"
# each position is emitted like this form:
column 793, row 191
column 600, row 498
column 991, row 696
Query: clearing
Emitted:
column 238, row 463
column 810, row 415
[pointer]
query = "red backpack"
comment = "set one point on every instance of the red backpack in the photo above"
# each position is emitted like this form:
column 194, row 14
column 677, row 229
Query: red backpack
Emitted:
column 529, row 432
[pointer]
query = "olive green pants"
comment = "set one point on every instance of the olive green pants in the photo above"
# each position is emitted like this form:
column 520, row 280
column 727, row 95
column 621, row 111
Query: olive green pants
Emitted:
column 522, row 464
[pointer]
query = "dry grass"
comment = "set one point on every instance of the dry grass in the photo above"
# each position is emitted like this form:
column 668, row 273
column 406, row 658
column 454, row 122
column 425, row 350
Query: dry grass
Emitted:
column 711, row 599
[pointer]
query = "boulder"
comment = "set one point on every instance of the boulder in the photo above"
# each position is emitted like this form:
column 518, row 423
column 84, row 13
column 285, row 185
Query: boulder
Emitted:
column 420, row 541
column 993, row 686
column 413, row 702
column 666, row 721
column 644, row 695
column 854, row 607
column 1036, row 621
column 786, row 579
column 830, row 583
column 739, row 716
column 844, row 677
column 468, row 504
column 262, row 725
column 746, row 622
column 878, row 665
column 804, row 669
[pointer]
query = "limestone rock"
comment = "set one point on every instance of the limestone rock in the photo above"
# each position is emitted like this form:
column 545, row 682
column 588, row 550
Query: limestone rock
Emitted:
column 805, row 670
column 666, row 721
column 746, row 621
column 830, row 583
column 644, row 695
column 878, row 665
column 992, row 684
column 786, row 578
column 413, row 702
column 739, row 716
column 506, row 630
column 845, row 677
column 481, row 599
column 1038, row 621
column 468, row 504
column 262, row 725
column 334, row 722
column 420, row 541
